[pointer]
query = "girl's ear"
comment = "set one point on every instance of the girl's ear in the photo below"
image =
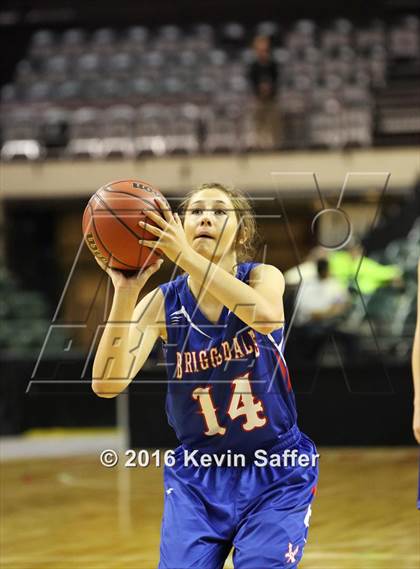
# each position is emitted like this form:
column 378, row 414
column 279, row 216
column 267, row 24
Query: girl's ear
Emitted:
column 243, row 236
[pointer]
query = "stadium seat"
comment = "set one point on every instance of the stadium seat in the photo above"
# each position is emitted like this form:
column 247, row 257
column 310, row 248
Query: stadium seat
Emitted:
column 119, row 65
column 42, row 45
column 73, row 42
column 269, row 28
column 29, row 149
column 38, row 91
column 329, row 75
column 25, row 73
column 9, row 93
column 381, row 310
column 182, row 129
column 136, row 35
column 88, row 66
column 404, row 41
column 69, row 90
column 20, row 132
column 150, row 123
column 222, row 132
column 103, row 40
column 233, row 33
column 54, row 129
column 414, row 233
column 84, row 128
column 56, row 69
column 117, row 131
column 141, row 87
column 109, row 89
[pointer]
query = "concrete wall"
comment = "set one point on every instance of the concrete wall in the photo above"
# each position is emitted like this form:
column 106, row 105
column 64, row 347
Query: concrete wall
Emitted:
column 361, row 170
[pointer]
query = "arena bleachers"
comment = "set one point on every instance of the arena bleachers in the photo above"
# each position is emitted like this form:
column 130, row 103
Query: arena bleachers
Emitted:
column 391, row 312
column 172, row 89
column 24, row 318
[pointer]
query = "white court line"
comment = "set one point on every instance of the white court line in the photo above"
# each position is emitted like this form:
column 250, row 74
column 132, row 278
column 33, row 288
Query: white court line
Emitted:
column 18, row 447
column 69, row 480
column 125, row 521
column 324, row 555
column 358, row 555
column 228, row 565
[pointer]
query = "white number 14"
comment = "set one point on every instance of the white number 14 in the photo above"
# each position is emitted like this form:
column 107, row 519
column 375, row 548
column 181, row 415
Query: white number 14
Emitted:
column 243, row 402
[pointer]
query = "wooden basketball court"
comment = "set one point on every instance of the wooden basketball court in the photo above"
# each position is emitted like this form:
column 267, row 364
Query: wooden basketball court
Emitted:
column 74, row 513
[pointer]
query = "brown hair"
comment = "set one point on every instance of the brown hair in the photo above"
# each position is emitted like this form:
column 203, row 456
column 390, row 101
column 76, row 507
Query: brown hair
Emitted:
column 244, row 214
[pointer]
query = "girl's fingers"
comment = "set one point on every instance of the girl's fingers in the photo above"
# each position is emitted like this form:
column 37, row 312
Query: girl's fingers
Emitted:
column 166, row 211
column 100, row 263
column 153, row 267
column 150, row 228
column 104, row 267
column 146, row 273
column 148, row 243
column 155, row 217
column 157, row 265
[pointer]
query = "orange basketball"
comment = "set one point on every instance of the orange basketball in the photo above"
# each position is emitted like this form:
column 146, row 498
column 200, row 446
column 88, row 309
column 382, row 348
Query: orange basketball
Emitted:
column 110, row 224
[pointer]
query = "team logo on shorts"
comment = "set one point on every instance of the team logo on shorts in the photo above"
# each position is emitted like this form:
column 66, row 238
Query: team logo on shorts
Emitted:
column 291, row 554
column 308, row 516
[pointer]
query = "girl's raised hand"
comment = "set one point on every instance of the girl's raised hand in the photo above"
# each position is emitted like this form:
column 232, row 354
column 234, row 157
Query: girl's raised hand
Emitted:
column 133, row 282
column 169, row 231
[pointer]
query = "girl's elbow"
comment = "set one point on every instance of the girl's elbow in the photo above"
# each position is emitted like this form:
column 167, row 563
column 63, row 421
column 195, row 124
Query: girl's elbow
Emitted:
column 265, row 330
column 100, row 389
column 268, row 324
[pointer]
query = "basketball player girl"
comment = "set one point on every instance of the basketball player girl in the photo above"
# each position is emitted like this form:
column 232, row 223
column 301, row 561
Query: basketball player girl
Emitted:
column 229, row 393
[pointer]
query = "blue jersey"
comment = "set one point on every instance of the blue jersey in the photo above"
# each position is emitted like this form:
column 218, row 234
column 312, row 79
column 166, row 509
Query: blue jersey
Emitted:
column 228, row 385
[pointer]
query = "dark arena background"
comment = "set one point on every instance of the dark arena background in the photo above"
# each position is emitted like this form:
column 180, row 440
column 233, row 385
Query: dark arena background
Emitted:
column 168, row 92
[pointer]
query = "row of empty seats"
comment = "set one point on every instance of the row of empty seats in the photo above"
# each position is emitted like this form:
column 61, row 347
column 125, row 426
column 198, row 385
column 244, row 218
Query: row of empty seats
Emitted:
column 327, row 80
column 171, row 55
column 400, row 37
column 138, row 62
column 161, row 129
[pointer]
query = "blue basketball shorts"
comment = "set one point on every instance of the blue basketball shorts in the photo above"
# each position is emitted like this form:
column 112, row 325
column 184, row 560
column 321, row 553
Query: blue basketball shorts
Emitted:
column 262, row 511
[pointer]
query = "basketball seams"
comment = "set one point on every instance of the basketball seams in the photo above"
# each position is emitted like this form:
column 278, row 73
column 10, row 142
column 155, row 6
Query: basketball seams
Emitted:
column 111, row 255
column 126, row 213
column 111, row 210
column 109, row 187
column 111, row 191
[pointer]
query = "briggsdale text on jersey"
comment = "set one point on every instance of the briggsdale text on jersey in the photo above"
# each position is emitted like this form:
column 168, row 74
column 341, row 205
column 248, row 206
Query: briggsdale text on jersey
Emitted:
column 261, row 458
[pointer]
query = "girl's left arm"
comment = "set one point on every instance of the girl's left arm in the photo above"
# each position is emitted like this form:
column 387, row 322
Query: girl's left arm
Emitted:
column 259, row 304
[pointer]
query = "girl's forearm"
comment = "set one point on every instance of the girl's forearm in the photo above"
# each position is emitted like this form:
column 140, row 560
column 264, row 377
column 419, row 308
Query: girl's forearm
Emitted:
column 112, row 355
column 239, row 297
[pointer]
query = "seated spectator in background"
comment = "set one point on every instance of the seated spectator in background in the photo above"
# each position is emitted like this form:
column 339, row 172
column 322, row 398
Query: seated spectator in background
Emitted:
column 321, row 305
column 343, row 266
column 307, row 269
column 371, row 276
column 263, row 77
